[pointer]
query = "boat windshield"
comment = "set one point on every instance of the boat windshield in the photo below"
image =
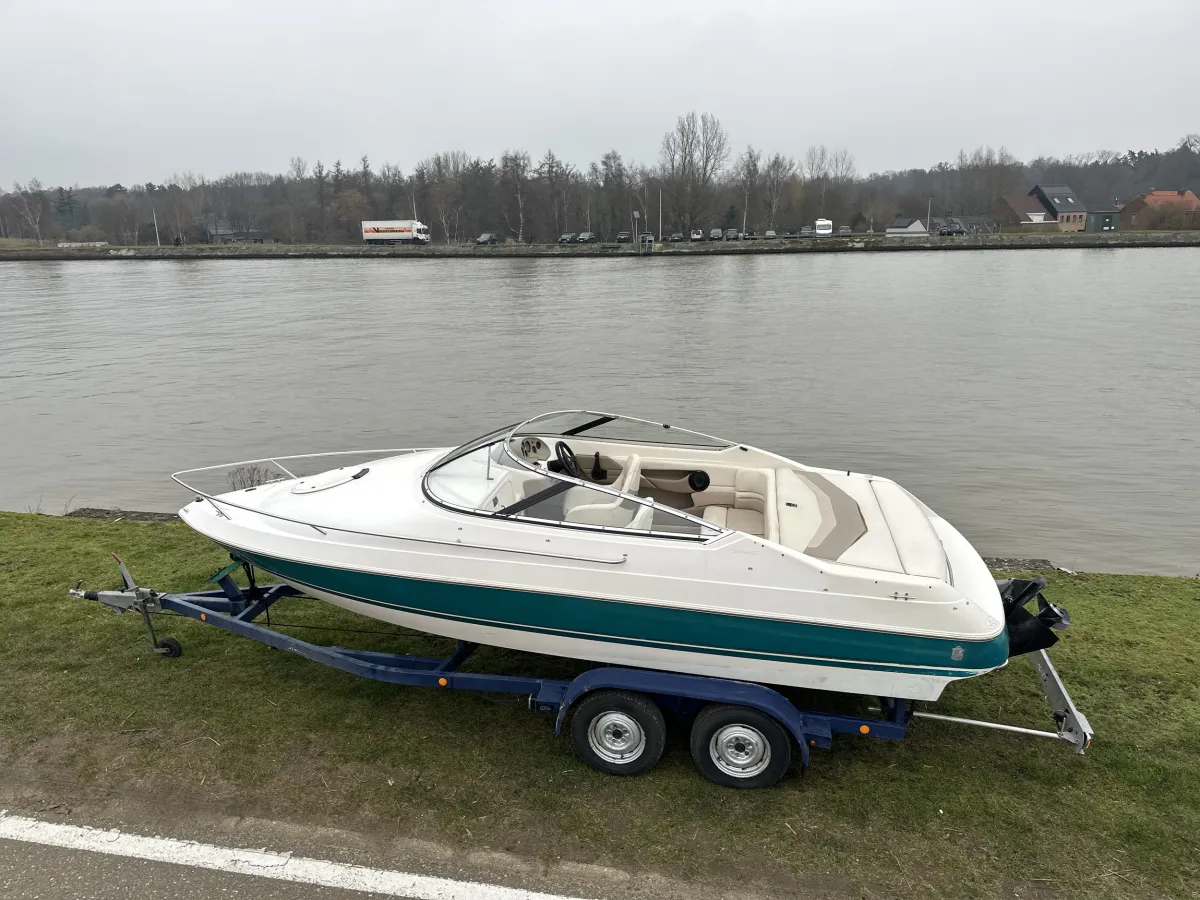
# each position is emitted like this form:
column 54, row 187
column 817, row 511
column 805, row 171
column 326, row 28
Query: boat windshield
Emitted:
column 607, row 427
column 483, row 478
column 469, row 446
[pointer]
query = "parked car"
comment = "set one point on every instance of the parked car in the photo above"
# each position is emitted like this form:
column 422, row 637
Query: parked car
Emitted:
column 806, row 231
column 646, row 236
column 716, row 234
column 568, row 238
column 697, row 234
column 844, row 230
column 623, row 237
column 586, row 237
column 749, row 235
column 951, row 230
column 731, row 234
column 676, row 237
column 488, row 237
column 770, row 235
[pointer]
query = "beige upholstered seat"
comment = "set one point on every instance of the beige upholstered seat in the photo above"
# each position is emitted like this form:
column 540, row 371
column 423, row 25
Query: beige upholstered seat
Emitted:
column 753, row 511
column 591, row 507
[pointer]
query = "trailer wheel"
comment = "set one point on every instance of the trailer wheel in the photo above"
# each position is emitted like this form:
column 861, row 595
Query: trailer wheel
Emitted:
column 739, row 747
column 618, row 732
column 170, row 647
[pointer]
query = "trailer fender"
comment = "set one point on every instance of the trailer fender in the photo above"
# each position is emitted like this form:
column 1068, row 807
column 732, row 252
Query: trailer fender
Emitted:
column 807, row 730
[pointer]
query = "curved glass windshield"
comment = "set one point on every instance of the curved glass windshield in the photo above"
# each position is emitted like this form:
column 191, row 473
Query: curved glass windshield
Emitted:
column 483, row 477
column 480, row 441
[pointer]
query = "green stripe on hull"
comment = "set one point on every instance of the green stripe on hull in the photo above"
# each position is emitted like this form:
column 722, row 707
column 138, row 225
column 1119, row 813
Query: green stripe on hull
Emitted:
column 628, row 622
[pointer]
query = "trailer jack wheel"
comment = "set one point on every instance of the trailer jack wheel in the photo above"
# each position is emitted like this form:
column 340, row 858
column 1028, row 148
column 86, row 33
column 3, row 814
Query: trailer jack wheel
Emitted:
column 169, row 647
column 619, row 732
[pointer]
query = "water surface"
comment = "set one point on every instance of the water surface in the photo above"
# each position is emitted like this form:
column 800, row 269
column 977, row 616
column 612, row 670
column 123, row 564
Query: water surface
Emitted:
column 1046, row 402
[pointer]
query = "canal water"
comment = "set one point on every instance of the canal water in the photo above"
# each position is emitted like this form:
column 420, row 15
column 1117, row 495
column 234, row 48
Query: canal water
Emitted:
column 1046, row 402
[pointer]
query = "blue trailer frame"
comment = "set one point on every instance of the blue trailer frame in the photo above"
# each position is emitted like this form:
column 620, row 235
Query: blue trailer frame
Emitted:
column 236, row 609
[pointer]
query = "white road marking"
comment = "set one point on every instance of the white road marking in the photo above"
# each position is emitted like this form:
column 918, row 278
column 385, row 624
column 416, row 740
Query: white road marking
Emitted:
column 279, row 866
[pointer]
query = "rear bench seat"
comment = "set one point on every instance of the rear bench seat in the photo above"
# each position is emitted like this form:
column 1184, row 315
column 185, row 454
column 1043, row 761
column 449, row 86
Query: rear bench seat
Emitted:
column 754, row 509
column 800, row 510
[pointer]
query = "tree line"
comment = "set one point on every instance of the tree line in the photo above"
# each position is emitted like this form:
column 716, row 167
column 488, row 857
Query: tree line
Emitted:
column 700, row 180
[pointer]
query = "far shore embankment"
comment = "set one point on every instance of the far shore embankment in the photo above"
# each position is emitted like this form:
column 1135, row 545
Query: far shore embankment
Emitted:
column 854, row 243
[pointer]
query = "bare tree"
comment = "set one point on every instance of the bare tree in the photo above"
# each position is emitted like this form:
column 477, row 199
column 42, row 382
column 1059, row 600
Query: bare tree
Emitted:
column 816, row 172
column 514, row 176
column 746, row 174
column 31, row 204
column 612, row 180
column 639, row 182
column 443, row 174
column 569, row 197
column 693, row 154
column 776, row 177
column 118, row 217
column 298, row 170
column 841, row 166
column 187, row 194
column 551, row 175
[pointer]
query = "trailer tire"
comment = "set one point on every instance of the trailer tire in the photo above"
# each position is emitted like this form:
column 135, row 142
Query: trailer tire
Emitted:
column 170, row 647
column 618, row 732
column 740, row 747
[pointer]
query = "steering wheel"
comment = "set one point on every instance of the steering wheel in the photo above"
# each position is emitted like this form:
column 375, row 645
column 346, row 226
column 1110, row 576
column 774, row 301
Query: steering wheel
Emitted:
column 566, row 459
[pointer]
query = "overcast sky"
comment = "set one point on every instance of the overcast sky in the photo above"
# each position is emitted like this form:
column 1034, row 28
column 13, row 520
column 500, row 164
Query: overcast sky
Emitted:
column 97, row 92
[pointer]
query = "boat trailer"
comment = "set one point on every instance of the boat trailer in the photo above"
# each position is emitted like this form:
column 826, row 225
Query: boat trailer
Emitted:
column 736, row 750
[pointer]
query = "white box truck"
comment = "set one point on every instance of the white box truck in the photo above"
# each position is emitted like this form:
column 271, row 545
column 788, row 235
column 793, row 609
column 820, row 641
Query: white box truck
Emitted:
column 395, row 231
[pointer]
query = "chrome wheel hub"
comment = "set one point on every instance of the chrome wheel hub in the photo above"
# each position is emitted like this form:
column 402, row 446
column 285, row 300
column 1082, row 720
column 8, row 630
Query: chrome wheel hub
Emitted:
column 740, row 751
column 616, row 737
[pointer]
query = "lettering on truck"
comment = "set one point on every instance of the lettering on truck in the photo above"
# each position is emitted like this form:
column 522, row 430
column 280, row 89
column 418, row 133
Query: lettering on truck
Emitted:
column 399, row 229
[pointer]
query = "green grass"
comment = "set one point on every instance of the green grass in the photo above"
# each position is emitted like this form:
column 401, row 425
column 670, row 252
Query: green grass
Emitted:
column 239, row 729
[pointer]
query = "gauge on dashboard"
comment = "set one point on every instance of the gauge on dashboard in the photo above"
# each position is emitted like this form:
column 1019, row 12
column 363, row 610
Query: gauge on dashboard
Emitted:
column 534, row 450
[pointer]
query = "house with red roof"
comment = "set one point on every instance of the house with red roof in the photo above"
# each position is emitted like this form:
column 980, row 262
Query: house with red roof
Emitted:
column 1159, row 201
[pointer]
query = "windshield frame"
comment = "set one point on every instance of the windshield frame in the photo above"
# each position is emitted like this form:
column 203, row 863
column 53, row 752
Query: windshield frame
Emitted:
column 471, row 446
column 708, row 531
column 602, row 418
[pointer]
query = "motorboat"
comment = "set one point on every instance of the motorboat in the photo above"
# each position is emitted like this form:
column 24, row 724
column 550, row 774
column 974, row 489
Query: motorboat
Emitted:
column 614, row 539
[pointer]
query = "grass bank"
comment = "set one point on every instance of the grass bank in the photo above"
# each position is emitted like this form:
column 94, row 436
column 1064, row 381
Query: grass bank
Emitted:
column 684, row 250
column 87, row 715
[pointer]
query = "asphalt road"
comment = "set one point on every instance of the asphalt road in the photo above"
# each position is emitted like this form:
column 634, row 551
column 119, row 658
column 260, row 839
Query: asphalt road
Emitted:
column 37, row 872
